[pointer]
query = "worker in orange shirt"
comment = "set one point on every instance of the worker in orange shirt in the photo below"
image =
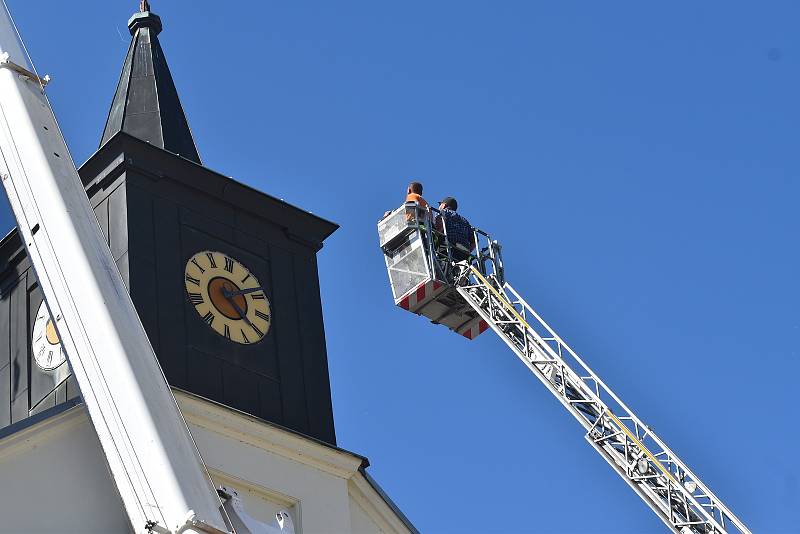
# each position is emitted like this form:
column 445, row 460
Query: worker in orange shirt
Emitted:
column 413, row 194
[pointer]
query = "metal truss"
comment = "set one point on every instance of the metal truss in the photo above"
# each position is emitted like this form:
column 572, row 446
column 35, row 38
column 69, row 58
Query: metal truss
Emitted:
column 640, row 457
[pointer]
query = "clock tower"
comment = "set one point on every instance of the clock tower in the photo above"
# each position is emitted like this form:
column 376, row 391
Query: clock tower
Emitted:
column 224, row 277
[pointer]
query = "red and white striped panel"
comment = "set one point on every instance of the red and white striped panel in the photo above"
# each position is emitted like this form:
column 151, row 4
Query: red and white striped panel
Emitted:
column 474, row 329
column 421, row 295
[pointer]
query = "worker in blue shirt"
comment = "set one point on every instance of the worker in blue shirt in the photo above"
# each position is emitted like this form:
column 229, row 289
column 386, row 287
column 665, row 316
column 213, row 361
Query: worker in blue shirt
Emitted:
column 459, row 231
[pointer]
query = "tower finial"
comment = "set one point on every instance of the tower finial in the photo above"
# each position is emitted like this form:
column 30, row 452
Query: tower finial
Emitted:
column 144, row 6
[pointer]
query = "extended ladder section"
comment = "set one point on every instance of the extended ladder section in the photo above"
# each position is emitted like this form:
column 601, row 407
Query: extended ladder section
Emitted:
column 466, row 291
column 640, row 457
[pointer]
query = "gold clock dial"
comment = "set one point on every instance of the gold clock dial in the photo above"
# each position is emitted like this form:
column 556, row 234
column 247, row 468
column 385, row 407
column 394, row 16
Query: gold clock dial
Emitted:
column 227, row 297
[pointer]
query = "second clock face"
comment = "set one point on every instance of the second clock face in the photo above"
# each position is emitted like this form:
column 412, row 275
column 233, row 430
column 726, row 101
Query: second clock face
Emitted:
column 45, row 344
column 227, row 297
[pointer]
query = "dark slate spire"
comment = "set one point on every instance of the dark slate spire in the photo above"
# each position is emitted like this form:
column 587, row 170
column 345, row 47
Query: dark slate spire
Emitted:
column 146, row 104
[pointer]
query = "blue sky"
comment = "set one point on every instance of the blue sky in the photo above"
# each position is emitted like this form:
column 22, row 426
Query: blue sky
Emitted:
column 638, row 162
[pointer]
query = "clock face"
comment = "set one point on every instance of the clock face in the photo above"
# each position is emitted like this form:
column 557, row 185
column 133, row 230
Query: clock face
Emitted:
column 227, row 297
column 45, row 345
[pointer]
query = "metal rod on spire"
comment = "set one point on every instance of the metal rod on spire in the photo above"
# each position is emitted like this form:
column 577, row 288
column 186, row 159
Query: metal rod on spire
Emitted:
column 144, row 6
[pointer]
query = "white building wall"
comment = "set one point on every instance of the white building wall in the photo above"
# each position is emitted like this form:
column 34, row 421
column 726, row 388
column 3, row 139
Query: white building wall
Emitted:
column 360, row 521
column 55, row 478
column 322, row 497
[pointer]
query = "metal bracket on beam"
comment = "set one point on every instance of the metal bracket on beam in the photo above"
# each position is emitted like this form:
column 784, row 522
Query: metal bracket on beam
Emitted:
column 244, row 523
column 6, row 63
column 191, row 523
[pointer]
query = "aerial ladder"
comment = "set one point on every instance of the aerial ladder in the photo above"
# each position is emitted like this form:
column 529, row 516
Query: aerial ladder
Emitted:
column 466, row 291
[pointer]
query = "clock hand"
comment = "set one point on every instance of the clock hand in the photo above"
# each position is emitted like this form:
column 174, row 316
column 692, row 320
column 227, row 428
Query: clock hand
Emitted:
column 237, row 308
column 228, row 294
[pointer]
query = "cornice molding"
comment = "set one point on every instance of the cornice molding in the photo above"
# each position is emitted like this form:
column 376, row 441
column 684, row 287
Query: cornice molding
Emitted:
column 374, row 506
column 31, row 437
column 268, row 437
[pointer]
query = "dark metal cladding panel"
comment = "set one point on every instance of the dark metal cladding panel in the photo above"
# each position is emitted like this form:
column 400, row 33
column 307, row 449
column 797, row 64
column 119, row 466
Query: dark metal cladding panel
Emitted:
column 195, row 216
column 240, row 388
column 287, row 333
column 118, row 222
column 101, row 212
column 124, row 270
column 250, row 227
column 140, row 218
column 117, row 111
column 314, row 355
column 269, row 397
column 61, row 393
column 171, row 300
column 174, row 127
column 73, row 391
column 205, row 375
column 142, row 118
column 5, row 359
column 5, row 396
column 20, row 402
column 143, row 284
column 49, row 401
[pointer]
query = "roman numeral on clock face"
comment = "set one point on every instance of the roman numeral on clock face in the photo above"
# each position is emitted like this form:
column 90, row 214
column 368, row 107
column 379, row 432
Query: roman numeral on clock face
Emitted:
column 259, row 332
column 211, row 259
column 194, row 260
column 227, row 332
column 196, row 298
column 192, row 280
column 244, row 336
column 263, row 315
column 209, row 318
column 258, row 296
column 228, row 264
